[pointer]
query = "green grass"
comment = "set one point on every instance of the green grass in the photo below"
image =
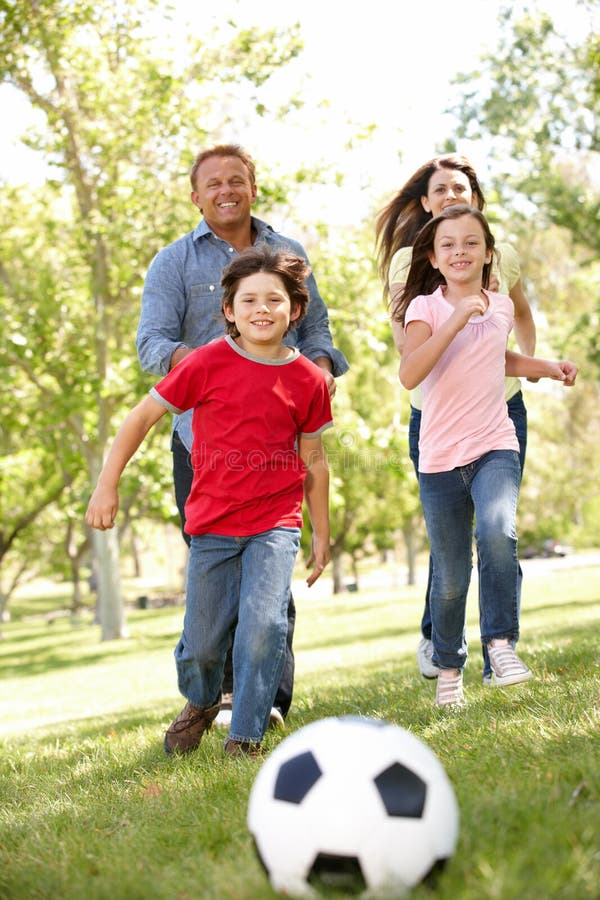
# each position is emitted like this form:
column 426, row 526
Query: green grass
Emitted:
column 90, row 807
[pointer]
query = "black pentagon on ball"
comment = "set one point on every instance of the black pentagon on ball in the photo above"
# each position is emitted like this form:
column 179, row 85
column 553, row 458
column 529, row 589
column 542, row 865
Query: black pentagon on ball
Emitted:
column 331, row 872
column 296, row 777
column 402, row 791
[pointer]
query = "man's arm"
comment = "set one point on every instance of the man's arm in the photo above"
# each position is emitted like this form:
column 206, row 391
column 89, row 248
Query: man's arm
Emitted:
column 313, row 334
column 158, row 338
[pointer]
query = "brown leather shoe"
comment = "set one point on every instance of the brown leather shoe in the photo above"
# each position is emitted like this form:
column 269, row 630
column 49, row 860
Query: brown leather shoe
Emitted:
column 185, row 732
column 242, row 748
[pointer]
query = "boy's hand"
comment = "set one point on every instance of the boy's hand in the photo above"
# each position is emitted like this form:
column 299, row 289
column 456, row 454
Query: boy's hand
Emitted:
column 102, row 508
column 318, row 559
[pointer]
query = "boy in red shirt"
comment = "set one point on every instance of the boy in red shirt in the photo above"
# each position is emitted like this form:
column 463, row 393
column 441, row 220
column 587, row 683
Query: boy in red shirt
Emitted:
column 259, row 410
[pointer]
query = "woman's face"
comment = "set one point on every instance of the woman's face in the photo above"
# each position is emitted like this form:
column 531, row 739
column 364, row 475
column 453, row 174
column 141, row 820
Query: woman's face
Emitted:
column 446, row 188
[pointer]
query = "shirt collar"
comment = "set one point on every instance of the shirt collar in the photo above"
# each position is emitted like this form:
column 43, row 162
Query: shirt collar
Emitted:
column 202, row 229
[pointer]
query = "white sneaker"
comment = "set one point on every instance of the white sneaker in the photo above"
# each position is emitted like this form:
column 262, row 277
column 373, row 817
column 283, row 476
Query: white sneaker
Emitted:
column 223, row 719
column 449, row 691
column 507, row 668
column 276, row 719
column 424, row 654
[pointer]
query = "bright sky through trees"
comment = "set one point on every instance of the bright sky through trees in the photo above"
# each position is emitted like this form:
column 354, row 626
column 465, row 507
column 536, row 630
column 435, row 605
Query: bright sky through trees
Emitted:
column 387, row 65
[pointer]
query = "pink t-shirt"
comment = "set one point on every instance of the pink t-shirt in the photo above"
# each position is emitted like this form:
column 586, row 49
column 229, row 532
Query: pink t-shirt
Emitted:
column 248, row 414
column 464, row 408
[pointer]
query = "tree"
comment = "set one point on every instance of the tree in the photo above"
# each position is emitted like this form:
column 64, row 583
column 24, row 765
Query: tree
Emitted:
column 535, row 101
column 120, row 130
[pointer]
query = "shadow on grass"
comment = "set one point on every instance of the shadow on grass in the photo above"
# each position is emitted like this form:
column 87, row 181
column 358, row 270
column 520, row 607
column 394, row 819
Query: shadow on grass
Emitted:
column 64, row 646
column 389, row 690
column 351, row 637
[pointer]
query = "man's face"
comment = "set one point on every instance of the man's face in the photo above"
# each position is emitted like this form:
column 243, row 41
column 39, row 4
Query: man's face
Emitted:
column 224, row 192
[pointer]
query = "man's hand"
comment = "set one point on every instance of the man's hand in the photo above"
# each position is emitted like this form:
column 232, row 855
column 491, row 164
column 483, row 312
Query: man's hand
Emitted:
column 324, row 363
column 178, row 355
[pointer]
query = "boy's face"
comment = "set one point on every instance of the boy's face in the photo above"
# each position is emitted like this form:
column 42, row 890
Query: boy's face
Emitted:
column 262, row 311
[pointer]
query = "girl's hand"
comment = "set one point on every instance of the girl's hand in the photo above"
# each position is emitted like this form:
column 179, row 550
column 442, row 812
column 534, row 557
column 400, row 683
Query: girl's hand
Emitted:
column 318, row 559
column 567, row 372
column 474, row 305
column 102, row 508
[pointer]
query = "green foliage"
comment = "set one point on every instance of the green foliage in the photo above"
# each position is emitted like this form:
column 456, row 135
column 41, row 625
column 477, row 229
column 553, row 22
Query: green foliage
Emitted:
column 537, row 104
column 540, row 92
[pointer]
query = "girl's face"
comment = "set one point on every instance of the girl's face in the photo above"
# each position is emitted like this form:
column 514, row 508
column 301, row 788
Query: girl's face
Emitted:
column 261, row 310
column 460, row 251
column 447, row 187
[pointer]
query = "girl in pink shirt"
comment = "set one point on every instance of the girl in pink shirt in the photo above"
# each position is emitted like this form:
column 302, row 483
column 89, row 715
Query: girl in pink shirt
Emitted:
column 456, row 350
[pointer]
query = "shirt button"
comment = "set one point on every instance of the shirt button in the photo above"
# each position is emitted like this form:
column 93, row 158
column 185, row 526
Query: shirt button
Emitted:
column 211, row 287
column 231, row 249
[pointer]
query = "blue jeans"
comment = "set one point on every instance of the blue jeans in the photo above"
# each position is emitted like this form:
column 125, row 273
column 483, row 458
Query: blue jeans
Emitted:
column 518, row 413
column 182, row 480
column 485, row 490
column 243, row 579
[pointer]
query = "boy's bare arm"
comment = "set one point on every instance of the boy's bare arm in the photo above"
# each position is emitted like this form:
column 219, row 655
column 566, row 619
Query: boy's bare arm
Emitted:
column 104, row 503
column 316, row 494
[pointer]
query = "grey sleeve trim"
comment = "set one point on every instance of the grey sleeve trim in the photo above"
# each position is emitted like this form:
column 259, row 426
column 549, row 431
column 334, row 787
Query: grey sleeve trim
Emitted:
column 154, row 393
column 310, row 434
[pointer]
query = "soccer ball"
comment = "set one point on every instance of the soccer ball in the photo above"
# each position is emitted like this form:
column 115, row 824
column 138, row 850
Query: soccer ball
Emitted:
column 354, row 804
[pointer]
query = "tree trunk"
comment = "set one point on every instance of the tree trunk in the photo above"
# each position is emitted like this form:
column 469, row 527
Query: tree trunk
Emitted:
column 135, row 554
column 411, row 553
column 76, row 601
column 111, row 612
column 337, row 559
column 355, row 570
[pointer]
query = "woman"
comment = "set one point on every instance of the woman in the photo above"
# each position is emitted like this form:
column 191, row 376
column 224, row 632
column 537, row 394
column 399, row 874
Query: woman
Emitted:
column 442, row 182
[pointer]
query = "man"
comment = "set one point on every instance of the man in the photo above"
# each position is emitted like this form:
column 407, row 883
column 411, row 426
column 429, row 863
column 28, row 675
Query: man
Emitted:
column 181, row 306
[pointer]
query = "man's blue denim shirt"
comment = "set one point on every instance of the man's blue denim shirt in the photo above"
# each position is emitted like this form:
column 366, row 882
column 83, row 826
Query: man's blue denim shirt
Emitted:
column 181, row 305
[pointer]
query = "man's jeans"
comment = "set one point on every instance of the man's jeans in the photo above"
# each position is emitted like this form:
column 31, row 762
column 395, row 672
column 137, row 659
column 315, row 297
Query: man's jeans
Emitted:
column 245, row 579
column 182, row 480
column 486, row 490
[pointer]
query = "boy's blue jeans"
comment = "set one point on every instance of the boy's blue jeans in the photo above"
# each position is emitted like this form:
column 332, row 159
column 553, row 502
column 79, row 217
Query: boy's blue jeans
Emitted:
column 248, row 579
column 487, row 491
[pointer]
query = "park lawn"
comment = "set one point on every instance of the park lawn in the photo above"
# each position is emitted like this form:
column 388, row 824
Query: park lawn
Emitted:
column 90, row 806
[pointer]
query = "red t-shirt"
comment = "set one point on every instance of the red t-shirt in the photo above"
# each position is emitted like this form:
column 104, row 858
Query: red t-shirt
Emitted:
column 248, row 413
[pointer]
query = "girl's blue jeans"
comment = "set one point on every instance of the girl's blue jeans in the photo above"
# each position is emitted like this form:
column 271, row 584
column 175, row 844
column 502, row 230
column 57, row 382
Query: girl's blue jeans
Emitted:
column 485, row 491
column 247, row 579
column 518, row 413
